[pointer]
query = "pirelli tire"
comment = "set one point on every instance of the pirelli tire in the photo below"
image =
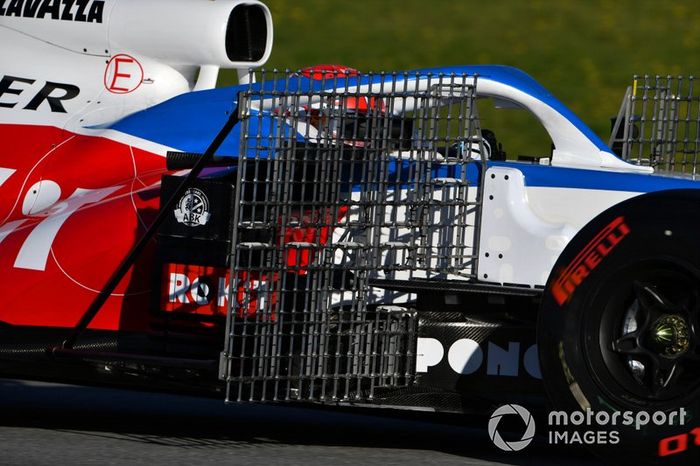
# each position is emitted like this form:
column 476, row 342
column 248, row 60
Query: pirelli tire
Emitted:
column 618, row 332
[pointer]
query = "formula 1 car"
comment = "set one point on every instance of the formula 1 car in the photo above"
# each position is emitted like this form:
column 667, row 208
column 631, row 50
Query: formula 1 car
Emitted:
column 333, row 237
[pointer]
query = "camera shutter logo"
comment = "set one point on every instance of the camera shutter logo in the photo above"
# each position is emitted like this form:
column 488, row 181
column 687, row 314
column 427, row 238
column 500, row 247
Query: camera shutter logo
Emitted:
column 193, row 208
column 507, row 410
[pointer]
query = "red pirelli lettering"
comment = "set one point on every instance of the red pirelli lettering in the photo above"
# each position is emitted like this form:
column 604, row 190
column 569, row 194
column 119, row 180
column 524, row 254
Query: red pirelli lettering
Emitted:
column 588, row 259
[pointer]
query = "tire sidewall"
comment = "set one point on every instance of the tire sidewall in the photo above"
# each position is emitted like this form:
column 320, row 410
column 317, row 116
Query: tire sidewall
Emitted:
column 571, row 369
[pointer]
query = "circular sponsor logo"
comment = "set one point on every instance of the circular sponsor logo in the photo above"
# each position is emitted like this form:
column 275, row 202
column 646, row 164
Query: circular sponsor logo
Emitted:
column 510, row 410
column 193, row 208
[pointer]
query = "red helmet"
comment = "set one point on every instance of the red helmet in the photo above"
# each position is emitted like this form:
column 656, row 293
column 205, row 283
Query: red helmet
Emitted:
column 363, row 104
column 319, row 72
column 347, row 118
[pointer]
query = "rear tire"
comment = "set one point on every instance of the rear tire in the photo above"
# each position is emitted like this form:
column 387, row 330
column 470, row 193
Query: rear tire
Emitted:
column 619, row 326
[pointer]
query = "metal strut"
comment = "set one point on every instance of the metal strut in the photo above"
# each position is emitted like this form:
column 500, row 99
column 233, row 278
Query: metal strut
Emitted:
column 136, row 250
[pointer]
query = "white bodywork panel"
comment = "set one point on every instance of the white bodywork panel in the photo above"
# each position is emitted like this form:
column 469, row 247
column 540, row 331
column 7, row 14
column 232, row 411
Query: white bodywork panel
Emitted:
column 525, row 229
column 176, row 32
column 132, row 55
column 94, row 105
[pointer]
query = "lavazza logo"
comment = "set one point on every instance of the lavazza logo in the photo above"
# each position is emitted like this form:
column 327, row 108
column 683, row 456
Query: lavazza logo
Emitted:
column 193, row 208
column 579, row 427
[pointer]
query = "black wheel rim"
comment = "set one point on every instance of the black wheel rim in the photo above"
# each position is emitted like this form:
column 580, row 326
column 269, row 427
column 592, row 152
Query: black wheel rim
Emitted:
column 642, row 336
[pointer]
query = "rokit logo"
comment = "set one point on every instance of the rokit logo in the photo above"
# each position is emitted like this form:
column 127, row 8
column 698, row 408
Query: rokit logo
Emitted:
column 200, row 289
column 466, row 356
column 193, row 208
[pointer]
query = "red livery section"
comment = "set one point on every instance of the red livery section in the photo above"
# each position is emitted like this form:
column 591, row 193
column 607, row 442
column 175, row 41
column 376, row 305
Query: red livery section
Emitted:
column 71, row 206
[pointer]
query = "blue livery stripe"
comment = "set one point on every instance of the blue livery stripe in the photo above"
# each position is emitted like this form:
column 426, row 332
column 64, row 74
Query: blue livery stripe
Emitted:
column 190, row 121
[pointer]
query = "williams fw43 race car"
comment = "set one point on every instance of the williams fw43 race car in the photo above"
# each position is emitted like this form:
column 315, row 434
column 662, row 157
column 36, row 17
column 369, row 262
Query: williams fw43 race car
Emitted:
column 332, row 237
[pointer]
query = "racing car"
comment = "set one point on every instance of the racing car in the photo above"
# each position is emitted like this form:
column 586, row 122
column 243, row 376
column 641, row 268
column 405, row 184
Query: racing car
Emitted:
column 335, row 237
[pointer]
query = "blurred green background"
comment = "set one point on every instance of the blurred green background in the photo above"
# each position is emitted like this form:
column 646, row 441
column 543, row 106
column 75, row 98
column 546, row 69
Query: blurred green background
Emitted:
column 584, row 51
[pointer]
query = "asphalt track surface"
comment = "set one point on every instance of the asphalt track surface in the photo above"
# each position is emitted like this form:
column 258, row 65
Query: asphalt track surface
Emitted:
column 53, row 424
